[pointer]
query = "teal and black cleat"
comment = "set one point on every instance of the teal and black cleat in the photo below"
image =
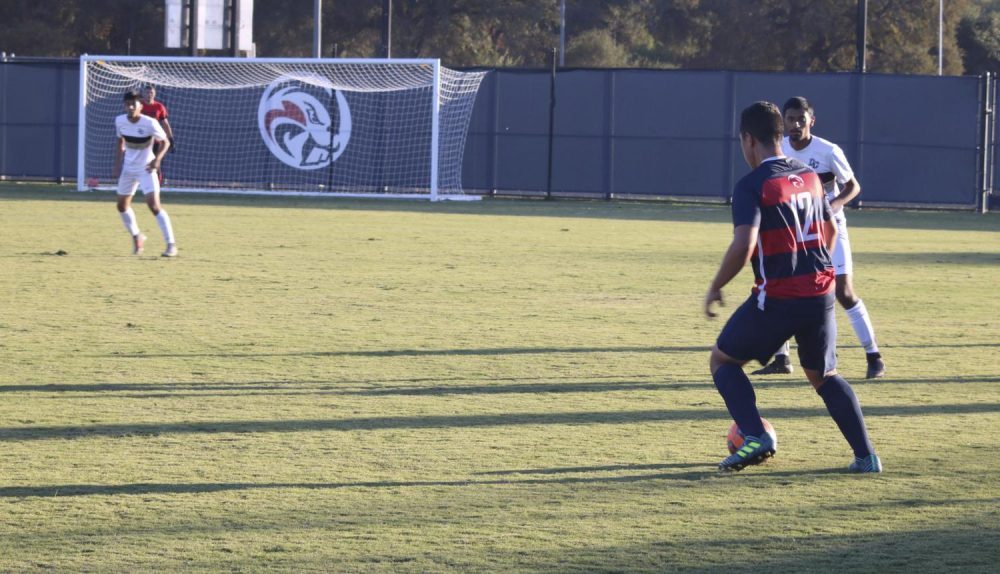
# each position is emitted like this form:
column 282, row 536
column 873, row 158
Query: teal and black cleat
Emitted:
column 870, row 463
column 754, row 451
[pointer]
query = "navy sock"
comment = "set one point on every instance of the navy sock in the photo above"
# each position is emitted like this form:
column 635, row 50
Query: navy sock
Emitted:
column 736, row 390
column 845, row 409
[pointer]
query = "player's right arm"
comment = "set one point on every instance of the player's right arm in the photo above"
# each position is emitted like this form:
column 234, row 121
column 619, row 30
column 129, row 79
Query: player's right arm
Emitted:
column 116, row 167
column 737, row 255
column 746, row 226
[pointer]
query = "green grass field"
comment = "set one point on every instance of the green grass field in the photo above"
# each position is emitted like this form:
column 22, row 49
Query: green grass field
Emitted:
column 500, row 386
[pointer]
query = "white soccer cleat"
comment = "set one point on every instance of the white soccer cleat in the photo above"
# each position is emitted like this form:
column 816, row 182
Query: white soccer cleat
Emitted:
column 171, row 250
column 137, row 242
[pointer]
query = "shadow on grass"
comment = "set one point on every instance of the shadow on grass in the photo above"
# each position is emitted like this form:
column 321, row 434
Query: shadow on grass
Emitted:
column 931, row 258
column 430, row 352
column 123, row 430
column 962, row 548
column 694, row 211
column 496, row 351
column 705, row 471
column 488, row 387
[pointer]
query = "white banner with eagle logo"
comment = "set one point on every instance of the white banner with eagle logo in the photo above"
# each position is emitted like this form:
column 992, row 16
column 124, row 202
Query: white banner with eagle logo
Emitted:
column 298, row 127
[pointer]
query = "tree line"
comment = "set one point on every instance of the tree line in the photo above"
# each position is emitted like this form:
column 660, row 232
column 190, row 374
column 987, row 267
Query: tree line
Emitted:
column 765, row 35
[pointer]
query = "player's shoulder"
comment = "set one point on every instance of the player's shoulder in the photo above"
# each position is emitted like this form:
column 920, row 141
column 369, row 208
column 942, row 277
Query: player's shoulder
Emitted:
column 824, row 145
column 148, row 120
column 793, row 164
column 753, row 180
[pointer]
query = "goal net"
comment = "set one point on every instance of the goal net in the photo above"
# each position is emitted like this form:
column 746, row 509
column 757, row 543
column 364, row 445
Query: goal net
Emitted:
column 385, row 127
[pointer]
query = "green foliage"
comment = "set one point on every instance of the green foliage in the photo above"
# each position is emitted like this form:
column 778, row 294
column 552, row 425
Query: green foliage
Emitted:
column 780, row 35
column 979, row 38
column 501, row 386
column 596, row 49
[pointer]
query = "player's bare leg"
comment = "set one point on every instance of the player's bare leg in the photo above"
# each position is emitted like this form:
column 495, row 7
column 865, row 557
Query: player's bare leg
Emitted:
column 128, row 218
column 163, row 220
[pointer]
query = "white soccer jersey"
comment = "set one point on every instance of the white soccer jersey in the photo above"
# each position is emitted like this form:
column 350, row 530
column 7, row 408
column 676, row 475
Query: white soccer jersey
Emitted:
column 139, row 137
column 825, row 158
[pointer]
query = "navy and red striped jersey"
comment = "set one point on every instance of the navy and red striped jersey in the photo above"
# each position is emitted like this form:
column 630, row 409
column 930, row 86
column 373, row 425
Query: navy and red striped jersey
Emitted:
column 784, row 199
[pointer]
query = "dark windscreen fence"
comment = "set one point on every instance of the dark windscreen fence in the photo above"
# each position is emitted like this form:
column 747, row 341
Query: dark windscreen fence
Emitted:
column 912, row 140
column 923, row 141
column 38, row 118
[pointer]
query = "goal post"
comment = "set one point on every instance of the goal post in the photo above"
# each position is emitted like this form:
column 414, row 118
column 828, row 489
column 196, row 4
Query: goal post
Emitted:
column 349, row 127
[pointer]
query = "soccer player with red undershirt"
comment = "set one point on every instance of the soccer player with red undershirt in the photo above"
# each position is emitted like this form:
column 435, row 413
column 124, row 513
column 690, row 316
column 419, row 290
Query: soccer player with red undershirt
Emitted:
column 157, row 111
column 782, row 225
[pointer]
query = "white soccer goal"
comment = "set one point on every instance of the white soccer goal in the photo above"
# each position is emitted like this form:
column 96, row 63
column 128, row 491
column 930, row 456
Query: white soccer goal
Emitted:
column 389, row 127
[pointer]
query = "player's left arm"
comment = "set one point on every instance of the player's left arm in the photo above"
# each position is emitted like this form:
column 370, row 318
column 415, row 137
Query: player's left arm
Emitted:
column 851, row 190
column 165, row 124
column 160, row 136
column 845, row 177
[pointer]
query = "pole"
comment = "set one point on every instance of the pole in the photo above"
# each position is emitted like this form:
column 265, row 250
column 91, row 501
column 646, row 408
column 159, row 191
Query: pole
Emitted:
column 862, row 34
column 562, row 33
column 387, row 28
column 552, row 123
column 193, row 28
column 234, row 28
column 940, row 37
column 989, row 83
column 317, row 28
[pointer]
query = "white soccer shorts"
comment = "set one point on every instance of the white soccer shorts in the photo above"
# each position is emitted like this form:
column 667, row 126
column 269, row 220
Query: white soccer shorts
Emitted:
column 148, row 181
column 843, row 262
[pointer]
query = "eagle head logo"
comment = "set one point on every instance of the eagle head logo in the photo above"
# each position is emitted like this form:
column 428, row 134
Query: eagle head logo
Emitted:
column 297, row 126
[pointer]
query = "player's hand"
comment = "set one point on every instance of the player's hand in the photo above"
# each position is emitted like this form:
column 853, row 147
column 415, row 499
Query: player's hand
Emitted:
column 713, row 296
column 152, row 166
column 173, row 146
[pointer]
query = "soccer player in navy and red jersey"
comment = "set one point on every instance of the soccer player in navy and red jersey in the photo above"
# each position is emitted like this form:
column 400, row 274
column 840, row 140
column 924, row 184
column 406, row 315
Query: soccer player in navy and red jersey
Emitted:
column 782, row 225
column 157, row 111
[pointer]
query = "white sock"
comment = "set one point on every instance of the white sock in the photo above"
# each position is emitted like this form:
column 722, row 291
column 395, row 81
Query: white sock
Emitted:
column 784, row 350
column 128, row 218
column 863, row 326
column 163, row 220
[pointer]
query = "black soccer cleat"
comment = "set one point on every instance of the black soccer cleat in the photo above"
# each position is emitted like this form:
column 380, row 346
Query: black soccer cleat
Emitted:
column 876, row 366
column 776, row 367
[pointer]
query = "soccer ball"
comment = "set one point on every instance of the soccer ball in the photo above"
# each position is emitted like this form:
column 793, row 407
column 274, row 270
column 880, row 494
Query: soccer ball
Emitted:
column 734, row 438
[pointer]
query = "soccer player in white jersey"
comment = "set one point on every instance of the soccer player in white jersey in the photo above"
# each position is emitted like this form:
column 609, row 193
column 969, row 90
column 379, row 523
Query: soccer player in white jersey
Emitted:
column 841, row 186
column 136, row 166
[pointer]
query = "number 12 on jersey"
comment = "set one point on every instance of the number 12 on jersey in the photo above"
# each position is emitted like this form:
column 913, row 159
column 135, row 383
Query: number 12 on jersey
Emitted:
column 805, row 211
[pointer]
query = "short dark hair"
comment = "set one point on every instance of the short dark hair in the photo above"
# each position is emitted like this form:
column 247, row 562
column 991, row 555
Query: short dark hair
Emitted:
column 131, row 95
column 763, row 122
column 797, row 103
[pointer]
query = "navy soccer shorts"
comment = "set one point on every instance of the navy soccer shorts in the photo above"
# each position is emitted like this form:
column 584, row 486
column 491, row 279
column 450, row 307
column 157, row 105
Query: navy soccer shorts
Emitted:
column 752, row 333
